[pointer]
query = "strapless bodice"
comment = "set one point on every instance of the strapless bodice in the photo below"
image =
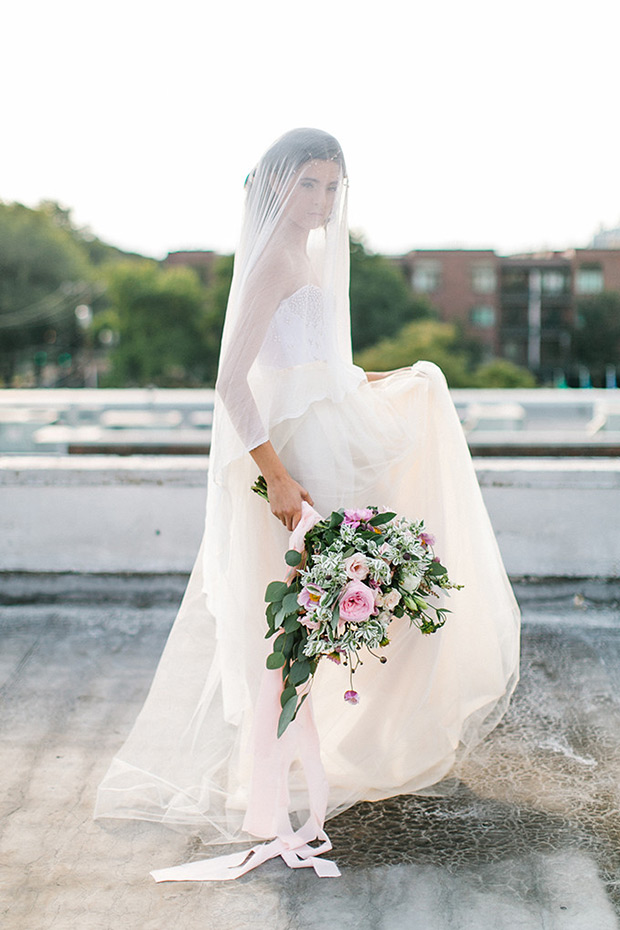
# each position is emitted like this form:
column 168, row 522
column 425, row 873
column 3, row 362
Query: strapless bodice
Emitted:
column 297, row 333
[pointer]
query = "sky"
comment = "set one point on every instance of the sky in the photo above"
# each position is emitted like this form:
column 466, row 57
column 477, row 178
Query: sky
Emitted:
column 478, row 124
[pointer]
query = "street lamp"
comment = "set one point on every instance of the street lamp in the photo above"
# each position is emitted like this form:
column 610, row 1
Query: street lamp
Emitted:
column 84, row 317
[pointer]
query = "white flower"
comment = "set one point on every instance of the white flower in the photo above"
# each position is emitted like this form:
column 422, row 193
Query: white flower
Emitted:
column 391, row 599
column 410, row 582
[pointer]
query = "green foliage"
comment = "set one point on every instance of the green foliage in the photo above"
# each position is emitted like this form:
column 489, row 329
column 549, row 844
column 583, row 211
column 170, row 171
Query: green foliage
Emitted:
column 596, row 336
column 381, row 299
column 212, row 321
column 44, row 274
column 442, row 344
column 501, row 373
column 282, row 613
column 160, row 314
column 424, row 339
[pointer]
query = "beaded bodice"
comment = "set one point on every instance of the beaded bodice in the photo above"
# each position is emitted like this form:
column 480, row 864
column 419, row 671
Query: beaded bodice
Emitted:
column 297, row 333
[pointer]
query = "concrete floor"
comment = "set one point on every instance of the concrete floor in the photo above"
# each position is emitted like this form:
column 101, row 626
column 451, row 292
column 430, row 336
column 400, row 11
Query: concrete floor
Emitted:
column 529, row 838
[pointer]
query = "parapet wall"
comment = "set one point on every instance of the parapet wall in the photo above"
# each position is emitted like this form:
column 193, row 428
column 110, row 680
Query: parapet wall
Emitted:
column 553, row 517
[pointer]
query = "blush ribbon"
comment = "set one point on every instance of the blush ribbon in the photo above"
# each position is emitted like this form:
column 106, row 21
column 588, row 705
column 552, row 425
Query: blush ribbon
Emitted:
column 267, row 813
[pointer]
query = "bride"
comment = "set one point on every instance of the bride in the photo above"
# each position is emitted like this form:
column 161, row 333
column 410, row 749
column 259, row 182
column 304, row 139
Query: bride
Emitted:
column 291, row 405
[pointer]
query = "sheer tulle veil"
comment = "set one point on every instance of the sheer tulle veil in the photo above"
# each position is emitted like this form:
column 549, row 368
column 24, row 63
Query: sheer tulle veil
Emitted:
column 294, row 237
column 286, row 374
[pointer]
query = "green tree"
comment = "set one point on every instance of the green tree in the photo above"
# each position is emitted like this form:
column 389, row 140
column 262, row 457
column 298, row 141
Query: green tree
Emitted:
column 501, row 373
column 215, row 310
column 381, row 299
column 44, row 274
column 596, row 334
column 422, row 339
column 160, row 316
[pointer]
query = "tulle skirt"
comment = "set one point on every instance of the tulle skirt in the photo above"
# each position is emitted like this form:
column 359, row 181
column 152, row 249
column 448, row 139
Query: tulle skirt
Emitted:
column 396, row 443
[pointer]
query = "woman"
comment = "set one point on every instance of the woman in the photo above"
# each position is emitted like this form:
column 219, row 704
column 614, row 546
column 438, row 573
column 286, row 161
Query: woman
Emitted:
column 291, row 405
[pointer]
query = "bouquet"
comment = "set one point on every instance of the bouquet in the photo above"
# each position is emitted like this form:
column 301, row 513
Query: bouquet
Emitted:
column 359, row 570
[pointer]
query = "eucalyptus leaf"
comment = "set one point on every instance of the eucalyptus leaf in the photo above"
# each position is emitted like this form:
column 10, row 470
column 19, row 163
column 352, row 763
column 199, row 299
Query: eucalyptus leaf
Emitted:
column 287, row 694
column 288, row 712
column 381, row 518
column 291, row 624
column 289, row 603
column 292, row 558
column 276, row 590
column 299, row 672
column 275, row 660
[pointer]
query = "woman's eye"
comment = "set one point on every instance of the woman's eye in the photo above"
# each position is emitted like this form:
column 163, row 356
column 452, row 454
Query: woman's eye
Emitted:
column 307, row 184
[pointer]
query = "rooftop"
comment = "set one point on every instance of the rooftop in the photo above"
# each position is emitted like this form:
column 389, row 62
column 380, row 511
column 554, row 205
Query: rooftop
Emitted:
column 529, row 838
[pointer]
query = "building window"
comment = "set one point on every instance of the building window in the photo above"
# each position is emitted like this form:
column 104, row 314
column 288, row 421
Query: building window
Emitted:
column 553, row 282
column 483, row 279
column 589, row 280
column 426, row 275
column 484, row 317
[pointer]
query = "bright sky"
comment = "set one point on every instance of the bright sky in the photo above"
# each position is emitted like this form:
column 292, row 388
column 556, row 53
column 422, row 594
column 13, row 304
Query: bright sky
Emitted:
column 474, row 124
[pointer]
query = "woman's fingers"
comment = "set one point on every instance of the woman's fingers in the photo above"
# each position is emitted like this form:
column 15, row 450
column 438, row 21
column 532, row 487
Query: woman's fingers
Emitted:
column 286, row 500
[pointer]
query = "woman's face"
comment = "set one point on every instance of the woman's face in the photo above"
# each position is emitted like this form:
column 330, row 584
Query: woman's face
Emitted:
column 311, row 200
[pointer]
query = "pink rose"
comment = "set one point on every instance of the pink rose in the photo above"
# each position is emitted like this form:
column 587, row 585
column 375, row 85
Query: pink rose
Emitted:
column 356, row 567
column 357, row 602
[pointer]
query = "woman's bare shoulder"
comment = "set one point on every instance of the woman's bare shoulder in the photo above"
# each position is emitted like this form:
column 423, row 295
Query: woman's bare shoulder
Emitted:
column 273, row 279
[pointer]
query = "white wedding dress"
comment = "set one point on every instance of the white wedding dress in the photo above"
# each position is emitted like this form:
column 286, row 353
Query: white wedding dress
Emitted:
column 395, row 443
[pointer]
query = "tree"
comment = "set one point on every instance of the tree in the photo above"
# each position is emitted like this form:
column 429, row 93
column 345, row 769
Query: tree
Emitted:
column 596, row 334
column 441, row 343
column 381, row 299
column 160, row 315
column 215, row 310
column 501, row 373
column 422, row 339
column 44, row 274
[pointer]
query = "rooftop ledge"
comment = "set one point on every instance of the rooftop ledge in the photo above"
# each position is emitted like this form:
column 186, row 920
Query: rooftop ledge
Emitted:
column 553, row 517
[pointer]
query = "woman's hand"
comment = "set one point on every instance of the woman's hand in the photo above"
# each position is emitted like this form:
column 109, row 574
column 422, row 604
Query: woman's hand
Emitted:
column 378, row 375
column 285, row 497
column 285, row 494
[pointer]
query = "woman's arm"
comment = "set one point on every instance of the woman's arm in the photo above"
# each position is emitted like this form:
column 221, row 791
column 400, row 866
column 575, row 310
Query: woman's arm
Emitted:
column 285, row 494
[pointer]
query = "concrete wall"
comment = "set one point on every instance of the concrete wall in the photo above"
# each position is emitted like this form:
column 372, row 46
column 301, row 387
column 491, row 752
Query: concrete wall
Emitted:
column 552, row 517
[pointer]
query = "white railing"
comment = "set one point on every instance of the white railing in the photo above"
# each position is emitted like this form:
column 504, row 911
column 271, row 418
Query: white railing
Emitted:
column 160, row 420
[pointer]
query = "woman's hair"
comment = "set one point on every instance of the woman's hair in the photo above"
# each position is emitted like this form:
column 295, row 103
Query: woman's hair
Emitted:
column 294, row 149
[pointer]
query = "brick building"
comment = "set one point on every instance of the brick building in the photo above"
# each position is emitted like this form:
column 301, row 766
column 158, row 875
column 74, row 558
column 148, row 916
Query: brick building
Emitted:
column 463, row 285
column 520, row 307
column 201, row 261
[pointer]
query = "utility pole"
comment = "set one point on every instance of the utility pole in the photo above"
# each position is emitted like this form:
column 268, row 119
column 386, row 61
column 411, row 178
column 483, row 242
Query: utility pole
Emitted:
column 534, row 315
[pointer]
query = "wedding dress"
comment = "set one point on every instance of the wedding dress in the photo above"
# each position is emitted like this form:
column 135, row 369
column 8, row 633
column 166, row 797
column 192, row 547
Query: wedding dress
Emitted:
column 396, row 443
